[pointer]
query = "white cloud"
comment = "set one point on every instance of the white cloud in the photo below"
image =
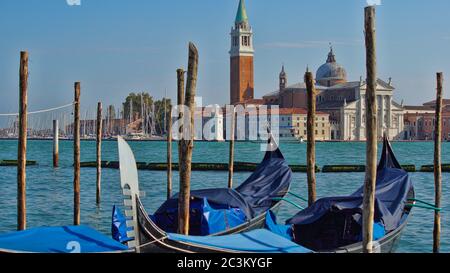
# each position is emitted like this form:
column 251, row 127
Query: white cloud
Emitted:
column 373, row 2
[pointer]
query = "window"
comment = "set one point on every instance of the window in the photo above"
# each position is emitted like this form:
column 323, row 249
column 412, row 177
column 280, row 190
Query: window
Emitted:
column 323, row 132
column 316, row 132
column 304, row 132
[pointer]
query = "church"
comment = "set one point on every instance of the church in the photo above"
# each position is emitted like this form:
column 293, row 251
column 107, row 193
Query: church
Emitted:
column 342, row 100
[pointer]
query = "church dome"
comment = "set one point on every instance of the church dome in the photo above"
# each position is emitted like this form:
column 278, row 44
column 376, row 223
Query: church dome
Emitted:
column 331, row 73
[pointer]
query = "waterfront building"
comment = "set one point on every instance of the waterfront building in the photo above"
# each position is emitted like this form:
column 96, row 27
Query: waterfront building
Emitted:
column 293, row 124
column 420, row 121
column 344, row 101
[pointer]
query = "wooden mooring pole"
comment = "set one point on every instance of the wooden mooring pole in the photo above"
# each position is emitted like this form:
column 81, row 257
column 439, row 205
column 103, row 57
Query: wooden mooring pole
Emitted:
column 231, row 157
column 180, row 103
column 169, row 154
column 22, row 146
column 187, row 145
column 311, row 133
column 371, row 130
column 99, row 152
column 437, row 164
column 55, row 143
column 76, row 157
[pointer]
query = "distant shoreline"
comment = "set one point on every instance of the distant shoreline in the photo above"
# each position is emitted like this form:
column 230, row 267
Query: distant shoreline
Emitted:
column 251, row 141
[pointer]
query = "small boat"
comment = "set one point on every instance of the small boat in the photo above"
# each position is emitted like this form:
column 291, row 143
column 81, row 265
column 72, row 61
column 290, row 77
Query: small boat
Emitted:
column 146, row 237
column 221, row 211
column 333, row 224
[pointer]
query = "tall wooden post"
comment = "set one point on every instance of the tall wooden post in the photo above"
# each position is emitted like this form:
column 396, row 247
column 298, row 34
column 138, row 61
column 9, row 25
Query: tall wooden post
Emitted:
column 180, row 102
column 231, row 157
column 437, row 164
column 22, row 147
column 55, row 143
column 99, row 152
column 76, row 157
column 311, row 132
column 371, row 130
column 169, row 155
column 187, row 145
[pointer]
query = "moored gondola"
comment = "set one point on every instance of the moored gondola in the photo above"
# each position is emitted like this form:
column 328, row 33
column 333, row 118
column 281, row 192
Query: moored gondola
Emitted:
column 146, row 236
column 221, row 211
column 333, row 224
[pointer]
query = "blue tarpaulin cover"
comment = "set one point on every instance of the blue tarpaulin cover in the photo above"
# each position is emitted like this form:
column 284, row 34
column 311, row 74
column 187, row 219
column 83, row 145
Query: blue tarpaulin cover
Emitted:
column 119, row 226
column 256, row 241
column 254, row 196
column 336, row 221
column 69, row 239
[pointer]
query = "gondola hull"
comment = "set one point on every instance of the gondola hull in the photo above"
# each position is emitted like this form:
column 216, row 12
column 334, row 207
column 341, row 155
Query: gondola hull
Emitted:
column 154, row 240
column 387, row 244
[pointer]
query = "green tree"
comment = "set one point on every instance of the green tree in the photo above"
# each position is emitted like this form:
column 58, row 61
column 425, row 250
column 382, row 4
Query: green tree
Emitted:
column 133, row 101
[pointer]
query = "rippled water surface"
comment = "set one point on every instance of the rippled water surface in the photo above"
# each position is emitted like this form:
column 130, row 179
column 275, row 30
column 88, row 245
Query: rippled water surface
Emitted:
column 49, row 191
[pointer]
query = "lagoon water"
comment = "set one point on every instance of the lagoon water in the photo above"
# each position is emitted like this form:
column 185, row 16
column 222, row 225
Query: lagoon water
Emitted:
column 49, row 191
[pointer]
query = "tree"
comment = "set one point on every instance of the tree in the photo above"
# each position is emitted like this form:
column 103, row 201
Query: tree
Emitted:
column 154, row 123
column 135, row 100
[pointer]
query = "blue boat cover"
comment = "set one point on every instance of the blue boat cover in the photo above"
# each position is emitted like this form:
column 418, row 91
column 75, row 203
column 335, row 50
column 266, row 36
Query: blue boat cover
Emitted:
column 205, row 218
column 282, row 230
column 254, row 196
column 256, row 241
column 69, row 239
column 333, row 222
column 119, row 226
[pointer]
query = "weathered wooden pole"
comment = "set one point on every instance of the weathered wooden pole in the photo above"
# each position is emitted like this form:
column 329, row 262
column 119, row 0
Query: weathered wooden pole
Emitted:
column 231, row 157
column 55, row 143
column 99, row 152
column 371, row 130
column 76, row 157
column 187, row 145
column 169, row 155
column 22, row 147
column 180, row 102
column 311, row 133
column 437, row 164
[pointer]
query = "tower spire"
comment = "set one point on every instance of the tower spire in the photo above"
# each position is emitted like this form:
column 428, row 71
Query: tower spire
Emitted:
column 331, row 56
column 241, row 16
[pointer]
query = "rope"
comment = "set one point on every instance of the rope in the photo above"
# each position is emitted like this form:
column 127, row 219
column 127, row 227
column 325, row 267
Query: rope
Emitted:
column 425, row 205
column 152, row 242
column 40, row 111
column 289, row 201
column 298, row 196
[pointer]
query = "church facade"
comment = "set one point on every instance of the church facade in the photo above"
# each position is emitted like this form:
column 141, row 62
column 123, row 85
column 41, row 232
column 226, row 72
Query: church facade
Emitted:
column 344, row 101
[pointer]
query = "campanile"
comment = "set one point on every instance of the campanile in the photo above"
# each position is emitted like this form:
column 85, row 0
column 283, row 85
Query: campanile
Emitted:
column 241, row 58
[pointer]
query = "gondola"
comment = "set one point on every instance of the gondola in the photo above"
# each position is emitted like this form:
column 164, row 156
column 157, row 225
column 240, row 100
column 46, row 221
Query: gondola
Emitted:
column 147, row 237
column 333, row 224
column 221, row 211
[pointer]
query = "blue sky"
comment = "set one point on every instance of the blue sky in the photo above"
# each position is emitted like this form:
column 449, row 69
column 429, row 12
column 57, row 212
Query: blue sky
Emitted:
column 115, row 46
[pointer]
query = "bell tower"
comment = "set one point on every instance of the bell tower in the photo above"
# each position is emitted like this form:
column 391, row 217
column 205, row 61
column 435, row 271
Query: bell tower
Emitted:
column 241, row 58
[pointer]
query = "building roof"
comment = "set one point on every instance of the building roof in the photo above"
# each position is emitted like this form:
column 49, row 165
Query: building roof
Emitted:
column 418, row 108
column 433, row 103
column 285, row 111
column 241, row 15
column 331, row 70
column 297, row 111
column 332, row 104
column 252, row 101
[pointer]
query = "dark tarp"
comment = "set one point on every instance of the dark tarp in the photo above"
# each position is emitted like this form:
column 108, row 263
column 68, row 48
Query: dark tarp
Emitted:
column 271, row 179
column 333, row 222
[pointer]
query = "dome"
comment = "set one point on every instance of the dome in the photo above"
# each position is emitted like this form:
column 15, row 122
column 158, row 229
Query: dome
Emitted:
column 331, row 73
